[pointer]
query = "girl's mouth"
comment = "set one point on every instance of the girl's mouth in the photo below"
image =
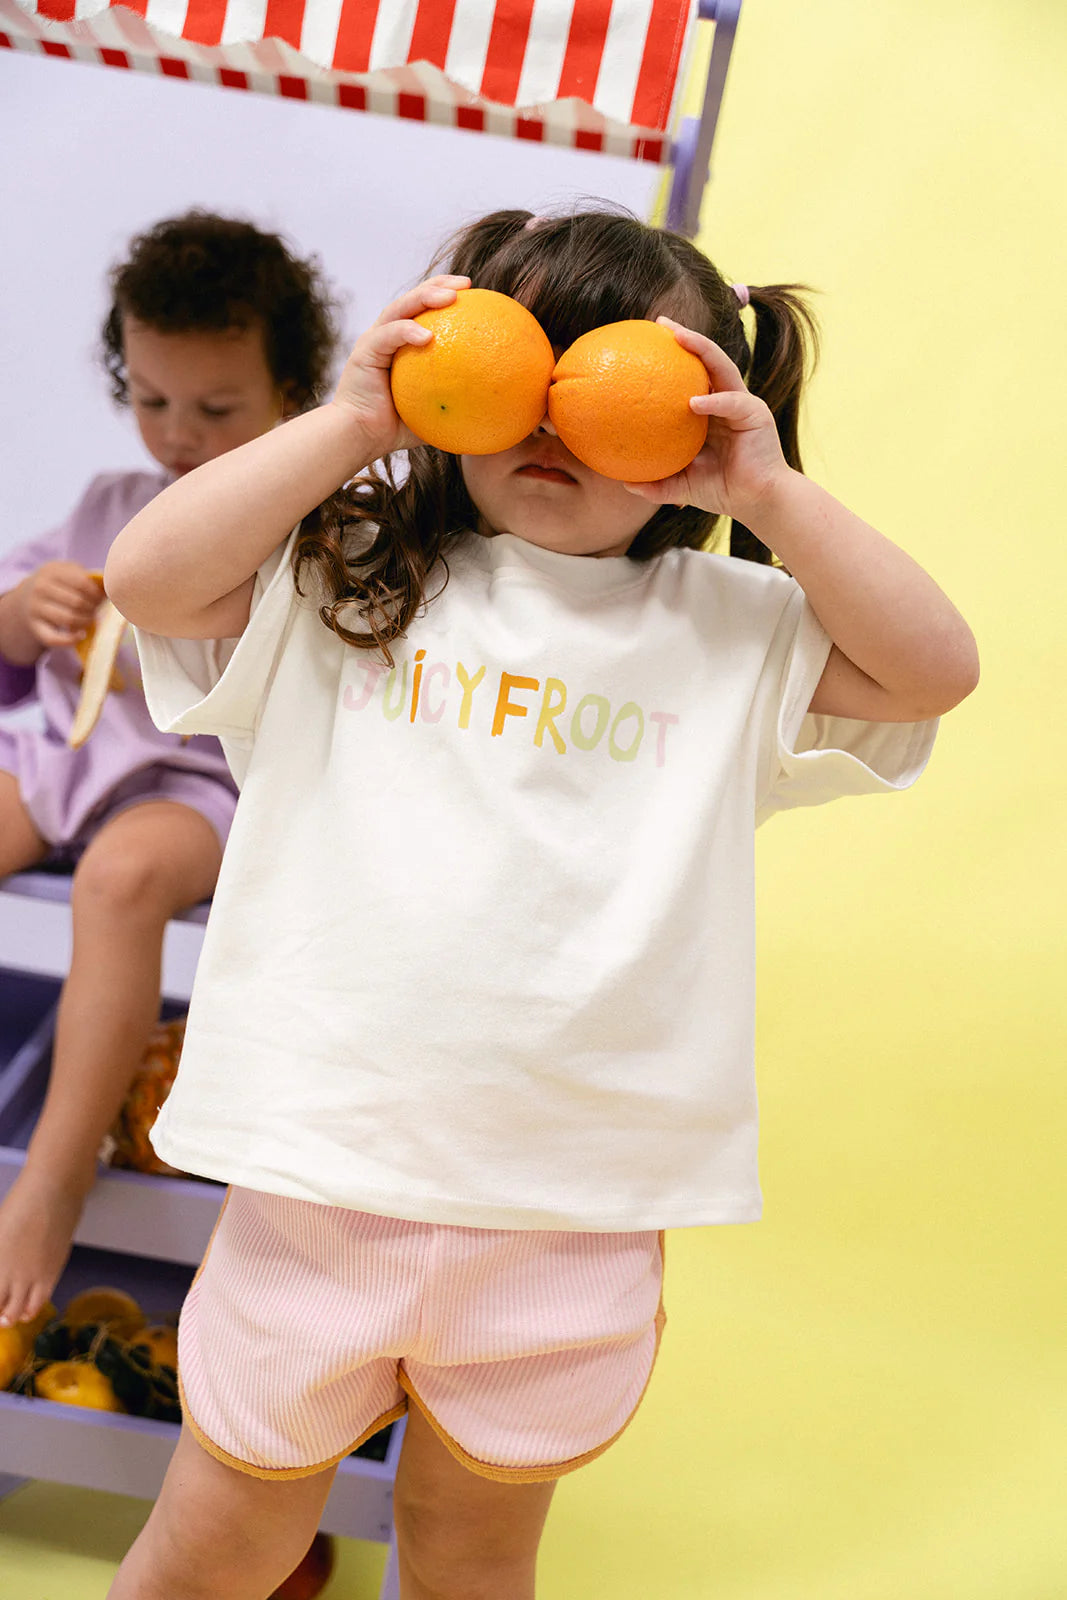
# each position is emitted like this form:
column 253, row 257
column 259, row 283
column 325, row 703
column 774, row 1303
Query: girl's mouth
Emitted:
column 546, row 474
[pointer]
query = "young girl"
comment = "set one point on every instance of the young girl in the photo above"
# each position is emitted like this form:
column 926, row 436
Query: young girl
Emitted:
column 215, row 332
column 473, row 1020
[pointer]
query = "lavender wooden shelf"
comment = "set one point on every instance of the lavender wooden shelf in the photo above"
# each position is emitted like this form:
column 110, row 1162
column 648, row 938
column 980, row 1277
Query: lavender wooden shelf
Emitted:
column 167, row 1219
column 129, row 1455
column 142, row 1233
column 35, row 932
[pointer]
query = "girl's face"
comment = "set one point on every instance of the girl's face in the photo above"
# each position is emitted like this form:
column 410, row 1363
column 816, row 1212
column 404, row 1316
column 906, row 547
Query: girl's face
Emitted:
column 539, row 492
column 197, row 395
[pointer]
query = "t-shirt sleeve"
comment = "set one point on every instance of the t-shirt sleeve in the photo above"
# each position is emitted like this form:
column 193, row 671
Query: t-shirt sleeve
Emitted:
column 219, row 686
column 811, row 759
column 18, row 683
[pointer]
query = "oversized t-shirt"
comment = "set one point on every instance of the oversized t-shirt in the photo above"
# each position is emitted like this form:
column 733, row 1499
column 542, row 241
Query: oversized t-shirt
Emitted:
column 482, row 947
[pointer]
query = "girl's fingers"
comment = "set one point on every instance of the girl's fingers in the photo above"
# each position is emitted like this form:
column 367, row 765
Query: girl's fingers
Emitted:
column 62, row 613
column 723, row 372
column 55, row 638
column 427, row 296
column 664, row 492
column 737, row 408
column 77, row 606
column 383, row 342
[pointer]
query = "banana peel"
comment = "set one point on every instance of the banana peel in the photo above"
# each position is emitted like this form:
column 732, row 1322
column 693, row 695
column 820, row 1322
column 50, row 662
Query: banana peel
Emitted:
column 97, row 653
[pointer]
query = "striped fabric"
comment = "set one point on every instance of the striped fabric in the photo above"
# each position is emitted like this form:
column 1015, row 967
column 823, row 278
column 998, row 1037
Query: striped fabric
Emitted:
column 309, row 1325
column 600, row 75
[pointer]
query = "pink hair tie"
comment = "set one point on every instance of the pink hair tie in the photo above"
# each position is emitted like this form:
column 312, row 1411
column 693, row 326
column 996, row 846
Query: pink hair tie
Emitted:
column 741, row 291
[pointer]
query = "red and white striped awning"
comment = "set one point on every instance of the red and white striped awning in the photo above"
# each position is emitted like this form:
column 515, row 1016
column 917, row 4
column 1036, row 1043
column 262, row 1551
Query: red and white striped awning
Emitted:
column 600, row 75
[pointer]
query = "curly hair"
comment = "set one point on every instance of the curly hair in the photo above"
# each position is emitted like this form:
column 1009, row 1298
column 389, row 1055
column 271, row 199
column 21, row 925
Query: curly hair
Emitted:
column 201, row 273
column 574, row 272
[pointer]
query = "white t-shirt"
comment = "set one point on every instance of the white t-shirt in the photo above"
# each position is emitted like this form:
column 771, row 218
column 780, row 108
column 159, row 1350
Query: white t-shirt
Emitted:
column 482, row 947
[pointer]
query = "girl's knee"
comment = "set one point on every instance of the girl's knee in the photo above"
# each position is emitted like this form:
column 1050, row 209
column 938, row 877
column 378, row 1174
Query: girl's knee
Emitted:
column 174, row 1561
column 454, row 1558
column 125, row 883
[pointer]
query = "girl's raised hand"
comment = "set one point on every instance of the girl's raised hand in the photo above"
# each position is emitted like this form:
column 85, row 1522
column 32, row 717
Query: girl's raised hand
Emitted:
column 363, row 388
column 741, row 460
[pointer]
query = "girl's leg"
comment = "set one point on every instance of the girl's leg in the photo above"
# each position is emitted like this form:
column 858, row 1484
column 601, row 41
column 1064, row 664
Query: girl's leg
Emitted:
column 218, row 1534
column 144, row 865
column 21, row 846
column 459, row 1536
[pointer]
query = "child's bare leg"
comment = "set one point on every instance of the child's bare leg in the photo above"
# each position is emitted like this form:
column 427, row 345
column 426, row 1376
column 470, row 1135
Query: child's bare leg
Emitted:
column 144, row 865
column 219, row 1534
column 21, row 846
column 459, row 1536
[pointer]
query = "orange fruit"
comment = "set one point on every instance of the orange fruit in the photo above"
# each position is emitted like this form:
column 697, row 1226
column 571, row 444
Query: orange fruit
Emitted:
column 620, row 401
column 480, row 385
column 161, row 1342
column 16, row 1343
column 77, row 1383
column 114, row 1307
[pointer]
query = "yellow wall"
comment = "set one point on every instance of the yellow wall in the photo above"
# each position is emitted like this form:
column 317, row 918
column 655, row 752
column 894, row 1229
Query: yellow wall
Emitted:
column 863, row 1398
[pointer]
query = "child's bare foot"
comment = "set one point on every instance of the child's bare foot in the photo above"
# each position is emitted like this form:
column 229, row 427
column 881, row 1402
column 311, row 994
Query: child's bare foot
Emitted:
column 37, row 1223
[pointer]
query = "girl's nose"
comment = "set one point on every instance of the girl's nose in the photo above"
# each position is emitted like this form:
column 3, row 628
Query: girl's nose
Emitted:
column 183, row 427
column 545, row 426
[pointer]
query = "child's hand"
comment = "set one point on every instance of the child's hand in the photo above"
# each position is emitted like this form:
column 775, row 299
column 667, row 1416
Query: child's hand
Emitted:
column 364, row 385
column 741, row 460
column 59, row 602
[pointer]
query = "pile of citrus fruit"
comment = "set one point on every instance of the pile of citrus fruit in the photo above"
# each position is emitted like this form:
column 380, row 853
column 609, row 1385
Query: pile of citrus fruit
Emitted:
column 618, row 397
column 101, row 1354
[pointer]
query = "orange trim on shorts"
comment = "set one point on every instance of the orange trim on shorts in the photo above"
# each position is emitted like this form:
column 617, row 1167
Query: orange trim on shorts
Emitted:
column 481, row 1469
column 544, row 1474
column 279, row 1474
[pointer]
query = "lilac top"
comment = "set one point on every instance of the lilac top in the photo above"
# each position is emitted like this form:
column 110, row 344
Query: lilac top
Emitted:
column 63, row 788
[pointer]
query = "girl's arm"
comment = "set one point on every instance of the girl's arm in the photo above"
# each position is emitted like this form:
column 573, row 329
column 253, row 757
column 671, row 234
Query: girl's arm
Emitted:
column 901, row 651
column 185, row 566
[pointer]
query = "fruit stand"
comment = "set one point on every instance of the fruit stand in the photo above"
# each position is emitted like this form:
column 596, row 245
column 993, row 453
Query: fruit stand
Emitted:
column 599, row 75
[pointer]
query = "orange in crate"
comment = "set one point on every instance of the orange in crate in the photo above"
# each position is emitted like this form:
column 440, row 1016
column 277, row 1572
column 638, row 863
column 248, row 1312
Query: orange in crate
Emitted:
column 129, row 1144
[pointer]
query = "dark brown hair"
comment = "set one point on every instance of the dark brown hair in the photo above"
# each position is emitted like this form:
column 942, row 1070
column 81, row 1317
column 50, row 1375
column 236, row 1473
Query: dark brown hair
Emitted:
column 574, row 272
column 201, row 273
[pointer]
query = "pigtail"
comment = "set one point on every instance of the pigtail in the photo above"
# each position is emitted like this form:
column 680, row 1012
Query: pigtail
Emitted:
column 784, row 354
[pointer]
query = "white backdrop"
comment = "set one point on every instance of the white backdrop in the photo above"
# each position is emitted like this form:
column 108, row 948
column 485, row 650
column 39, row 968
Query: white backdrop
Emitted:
column 92, row 155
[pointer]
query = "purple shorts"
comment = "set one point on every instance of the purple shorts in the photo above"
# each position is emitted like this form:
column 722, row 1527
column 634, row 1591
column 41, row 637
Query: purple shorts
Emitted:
column 58, row 808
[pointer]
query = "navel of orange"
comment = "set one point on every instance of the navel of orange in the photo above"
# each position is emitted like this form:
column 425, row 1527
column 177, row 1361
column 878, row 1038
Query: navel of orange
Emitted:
column 480, row 385
column 620, row 401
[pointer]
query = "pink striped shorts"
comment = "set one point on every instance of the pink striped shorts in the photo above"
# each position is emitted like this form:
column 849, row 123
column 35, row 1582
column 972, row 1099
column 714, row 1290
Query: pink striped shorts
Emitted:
column 308, row 1327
